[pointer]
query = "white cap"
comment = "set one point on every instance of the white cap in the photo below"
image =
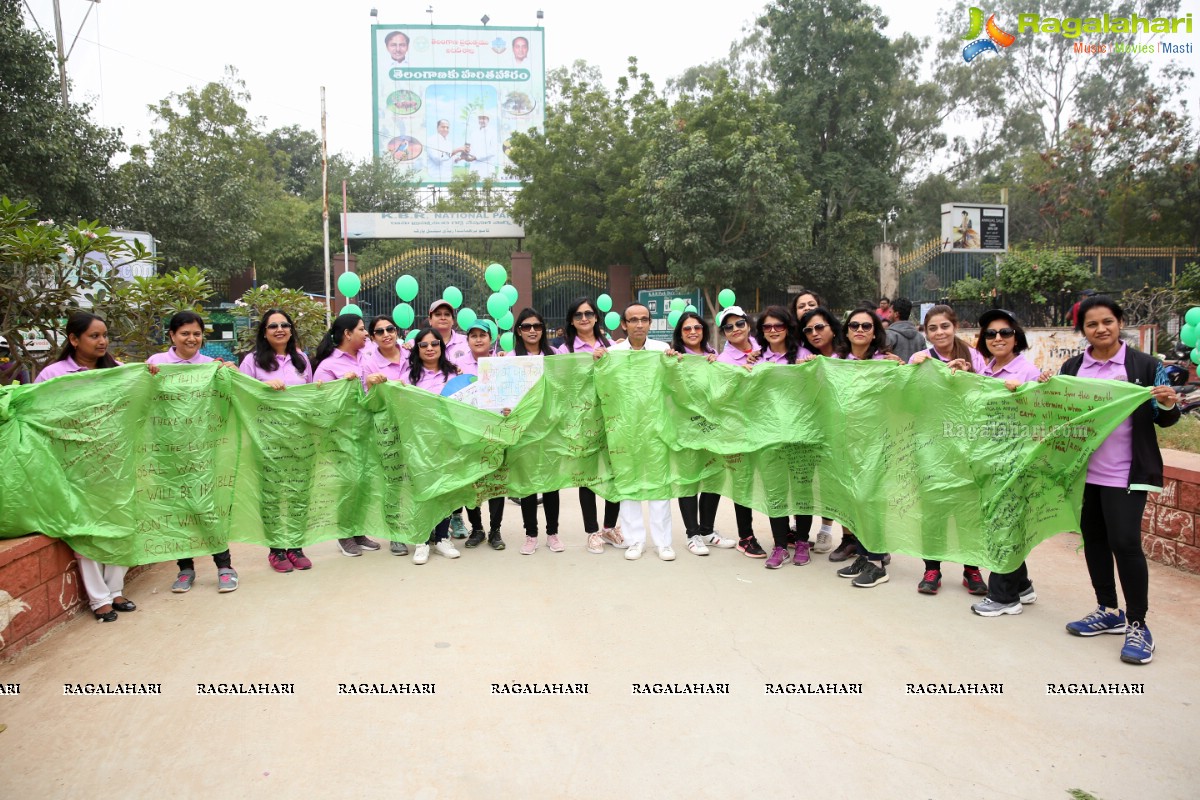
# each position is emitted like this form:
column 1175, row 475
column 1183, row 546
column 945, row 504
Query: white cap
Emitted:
column 730, row 311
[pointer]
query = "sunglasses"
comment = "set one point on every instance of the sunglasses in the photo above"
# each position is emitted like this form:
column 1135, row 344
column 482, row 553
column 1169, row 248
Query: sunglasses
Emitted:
column 692, row 329
column 735, row 326
column 638, row 321
column 860, row 326
column 1004, row 333
column 531, row 326
column 773, row 327
column 815, row 328
column 428, row 345
column 388, row 329
column 585, row 315
column 274, row 326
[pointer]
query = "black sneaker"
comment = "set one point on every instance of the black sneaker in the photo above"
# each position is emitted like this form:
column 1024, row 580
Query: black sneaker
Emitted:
column 494, row 540
column 844, row 551
column 855, row 569
column 974, row 581
column 749, row 546
column 932, row 582
column 475, row 539
column 871, row 575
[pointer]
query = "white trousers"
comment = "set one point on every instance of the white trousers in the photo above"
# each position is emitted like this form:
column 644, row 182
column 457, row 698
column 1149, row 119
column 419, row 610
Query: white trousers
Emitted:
column 633, row 528
column 102, row 582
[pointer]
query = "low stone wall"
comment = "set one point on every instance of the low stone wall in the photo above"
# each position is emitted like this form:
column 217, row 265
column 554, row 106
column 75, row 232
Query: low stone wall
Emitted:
column 1171, row 523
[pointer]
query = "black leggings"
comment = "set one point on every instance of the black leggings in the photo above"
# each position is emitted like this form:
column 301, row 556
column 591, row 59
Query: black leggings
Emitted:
column 529, row 507
column 495, row 515
column 587, row 504
column 1006, row 587
column 745, row 520
column 937, row 565
column 699, row 517
column 442, row 531
column 222, row 560
column 780, row 528
column 1111, row 524
column 803, row 523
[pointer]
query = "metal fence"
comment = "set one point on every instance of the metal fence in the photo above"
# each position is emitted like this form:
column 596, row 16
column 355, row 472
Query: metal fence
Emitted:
column 435, row 268
column 555, row 288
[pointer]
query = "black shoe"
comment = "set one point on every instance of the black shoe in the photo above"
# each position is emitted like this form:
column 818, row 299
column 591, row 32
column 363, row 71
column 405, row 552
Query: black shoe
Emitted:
column 855, row 569
column 124, row 605
column 749, row 546
column 844, row 551
column 871, row 575
column 495, row 541
column 106, row 616
column 475, row 539
column 974, row 582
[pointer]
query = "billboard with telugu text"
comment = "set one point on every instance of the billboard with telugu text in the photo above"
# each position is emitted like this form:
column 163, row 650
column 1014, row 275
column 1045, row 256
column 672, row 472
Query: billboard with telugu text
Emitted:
column 447, row 98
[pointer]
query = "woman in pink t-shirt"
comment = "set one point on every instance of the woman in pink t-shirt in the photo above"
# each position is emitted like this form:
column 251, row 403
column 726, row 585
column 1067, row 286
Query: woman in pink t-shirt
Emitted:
column 87, row 349
column 533, row 340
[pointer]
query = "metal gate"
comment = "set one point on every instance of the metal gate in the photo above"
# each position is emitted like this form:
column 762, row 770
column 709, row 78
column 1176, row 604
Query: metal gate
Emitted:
column 555, row 288
column 435, row 268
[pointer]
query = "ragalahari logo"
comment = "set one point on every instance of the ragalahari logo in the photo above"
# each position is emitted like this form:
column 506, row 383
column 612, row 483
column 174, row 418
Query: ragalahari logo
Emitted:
column 995, row 36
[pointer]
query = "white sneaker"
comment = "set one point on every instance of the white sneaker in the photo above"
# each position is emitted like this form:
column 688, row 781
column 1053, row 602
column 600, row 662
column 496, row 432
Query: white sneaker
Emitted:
column 717, row 540
column 696, row 545
column 666, row 554
column 824, row 542
column 634, row 552
column 421, row 554
column 446, row 548
column 595, row 543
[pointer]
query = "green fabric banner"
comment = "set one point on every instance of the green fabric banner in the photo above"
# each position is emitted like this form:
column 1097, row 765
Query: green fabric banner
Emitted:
column 132, row 468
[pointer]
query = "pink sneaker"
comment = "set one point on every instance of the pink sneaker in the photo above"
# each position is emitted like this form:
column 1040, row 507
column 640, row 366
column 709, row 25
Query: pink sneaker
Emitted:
column 554, row 543
column 529, row 546
column 777, row 557
column 298, row 559
column 801, row 557
column 279, row 562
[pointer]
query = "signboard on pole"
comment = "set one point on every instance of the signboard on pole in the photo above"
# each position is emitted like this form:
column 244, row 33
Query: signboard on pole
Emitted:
column 659, row 303
column 448, row 98
column 968, row 228
column 433, row 225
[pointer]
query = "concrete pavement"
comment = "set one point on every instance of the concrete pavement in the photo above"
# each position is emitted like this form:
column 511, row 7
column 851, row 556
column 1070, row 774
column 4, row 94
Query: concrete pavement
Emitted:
column 562, row 619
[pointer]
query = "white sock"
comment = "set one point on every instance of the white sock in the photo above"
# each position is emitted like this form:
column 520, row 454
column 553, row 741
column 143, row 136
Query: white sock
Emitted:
column 826, row 528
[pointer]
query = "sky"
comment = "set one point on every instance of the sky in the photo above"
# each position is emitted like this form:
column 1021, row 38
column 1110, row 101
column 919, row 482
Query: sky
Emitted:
column 132, row 53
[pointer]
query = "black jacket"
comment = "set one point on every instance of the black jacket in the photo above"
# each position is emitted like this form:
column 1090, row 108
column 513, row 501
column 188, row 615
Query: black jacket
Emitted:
column 1146, row 468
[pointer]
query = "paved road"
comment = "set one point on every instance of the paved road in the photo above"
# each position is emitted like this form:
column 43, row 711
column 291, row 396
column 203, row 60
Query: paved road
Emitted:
column 574, row 618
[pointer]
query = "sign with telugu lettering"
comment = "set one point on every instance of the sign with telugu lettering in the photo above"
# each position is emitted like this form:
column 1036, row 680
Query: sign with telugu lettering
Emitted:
column 448, row 98
column 434, row 225
column 132, row 468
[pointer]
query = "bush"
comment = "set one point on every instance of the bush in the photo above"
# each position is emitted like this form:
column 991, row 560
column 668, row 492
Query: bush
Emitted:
column 307, row 314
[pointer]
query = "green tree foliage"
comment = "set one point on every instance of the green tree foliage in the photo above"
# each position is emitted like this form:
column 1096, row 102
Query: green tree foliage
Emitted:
column 50, row 155
column 136, row 311
column 47, row 271
column 722, row 195
column 580, row 200
column 307, row 314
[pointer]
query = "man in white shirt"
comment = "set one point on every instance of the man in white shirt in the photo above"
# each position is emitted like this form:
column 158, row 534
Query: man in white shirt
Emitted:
column 441, row 153
column 485, row 148
column 637, row 325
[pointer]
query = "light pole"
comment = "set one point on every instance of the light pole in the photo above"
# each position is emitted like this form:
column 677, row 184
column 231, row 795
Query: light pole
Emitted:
column 64, row 54
column 888, row 217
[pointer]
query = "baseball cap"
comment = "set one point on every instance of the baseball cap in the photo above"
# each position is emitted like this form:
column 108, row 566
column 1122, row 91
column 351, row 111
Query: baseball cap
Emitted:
column 731, row 311
column 440, row 302
column 991, row 315
column 485, row 325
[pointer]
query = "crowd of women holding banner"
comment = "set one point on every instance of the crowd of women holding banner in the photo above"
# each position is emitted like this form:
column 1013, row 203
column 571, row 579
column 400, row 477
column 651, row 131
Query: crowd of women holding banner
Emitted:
column 1119, row 474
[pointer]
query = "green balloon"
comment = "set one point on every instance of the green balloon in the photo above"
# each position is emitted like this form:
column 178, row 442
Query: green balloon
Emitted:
column 349, row 284
column 506, row 341
column 1193, row 316
column 678, row 304
column 510, row 293
column 727, row 298
column 604, row 303
column 497, row 305
column 492, row 328
column 1196, row 355
column 691, row 308
column 1187, row 335
column 350, row 308
column 403, row 315
column 495, row 276
column 453, row 296
column 506, row 321
column 673, row 317
column 406, row 288
column 612, row 320
column 412, row 335
column 466, row 318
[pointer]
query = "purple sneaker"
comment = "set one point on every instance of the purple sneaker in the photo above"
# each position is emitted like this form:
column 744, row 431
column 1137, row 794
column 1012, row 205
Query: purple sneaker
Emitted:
column 777, row 557
column 801, row 557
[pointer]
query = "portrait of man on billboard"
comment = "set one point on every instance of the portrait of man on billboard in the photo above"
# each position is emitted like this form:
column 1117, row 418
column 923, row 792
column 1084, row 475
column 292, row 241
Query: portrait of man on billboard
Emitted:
column 397, row 47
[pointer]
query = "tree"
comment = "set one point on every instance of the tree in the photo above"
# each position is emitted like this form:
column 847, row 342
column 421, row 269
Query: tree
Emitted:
column 47, row 271
column 307, row 314
column 50, row 155
column 721, row 194
column 580, row 198
column 136, row 310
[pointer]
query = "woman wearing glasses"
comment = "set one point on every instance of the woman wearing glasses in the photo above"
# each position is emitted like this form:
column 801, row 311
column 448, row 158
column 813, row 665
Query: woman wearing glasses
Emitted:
column 863, row 339
column 699, row 517
column 532, row 341
column 941, row 329
column 819, row 331
column 429, row 369
column 781, row 345
column 1002, row 341
column 278, row 362
column 480, row 337
column 740, row 350
column 389, row 359
column 340, row 357
column 585, row 334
